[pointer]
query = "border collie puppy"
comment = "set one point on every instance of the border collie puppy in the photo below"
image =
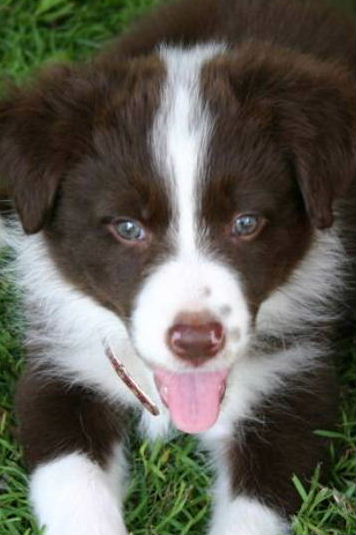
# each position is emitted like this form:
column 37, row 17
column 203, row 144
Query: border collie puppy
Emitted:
column 187, row 211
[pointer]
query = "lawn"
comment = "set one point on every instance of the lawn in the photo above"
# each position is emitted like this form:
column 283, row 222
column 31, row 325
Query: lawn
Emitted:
column 169, row 483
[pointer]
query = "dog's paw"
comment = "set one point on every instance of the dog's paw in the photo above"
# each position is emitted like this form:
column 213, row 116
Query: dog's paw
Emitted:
column 81, row 528
column 72, row 496
column 246, row 516
column 86, row 523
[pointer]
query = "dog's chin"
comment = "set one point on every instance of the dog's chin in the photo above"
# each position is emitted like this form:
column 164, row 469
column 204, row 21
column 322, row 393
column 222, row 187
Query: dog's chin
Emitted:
column 193, row 398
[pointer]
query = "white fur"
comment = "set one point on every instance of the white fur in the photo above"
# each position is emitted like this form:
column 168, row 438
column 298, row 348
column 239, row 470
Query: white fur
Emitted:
column 70, row 326
column 73, row 496
column 244, row 516
column 241, row 515
column 181, row 134
column 156, row 308
column 310, row 296
column 72, row 330
column 191, row 281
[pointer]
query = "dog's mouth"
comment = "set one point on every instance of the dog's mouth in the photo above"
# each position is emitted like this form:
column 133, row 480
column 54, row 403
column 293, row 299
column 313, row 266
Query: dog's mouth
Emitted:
column 193, row 398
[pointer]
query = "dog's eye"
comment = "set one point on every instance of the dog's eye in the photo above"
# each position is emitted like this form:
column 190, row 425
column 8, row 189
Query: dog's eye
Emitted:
column 248, row 225
column 129, row 230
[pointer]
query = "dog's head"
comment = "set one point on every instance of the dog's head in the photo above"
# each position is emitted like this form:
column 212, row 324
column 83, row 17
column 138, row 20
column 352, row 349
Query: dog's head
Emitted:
column 179, row 190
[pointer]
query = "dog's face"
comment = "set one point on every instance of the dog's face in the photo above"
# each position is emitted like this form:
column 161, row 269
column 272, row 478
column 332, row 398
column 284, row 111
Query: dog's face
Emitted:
column 179, row 191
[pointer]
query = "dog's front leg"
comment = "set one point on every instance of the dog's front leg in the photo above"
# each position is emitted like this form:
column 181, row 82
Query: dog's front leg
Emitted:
column 72, row 441
column 257, row 457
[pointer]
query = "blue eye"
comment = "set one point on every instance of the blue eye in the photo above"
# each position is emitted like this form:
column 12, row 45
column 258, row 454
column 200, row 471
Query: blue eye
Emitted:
column 129, row 230
column 247, row 225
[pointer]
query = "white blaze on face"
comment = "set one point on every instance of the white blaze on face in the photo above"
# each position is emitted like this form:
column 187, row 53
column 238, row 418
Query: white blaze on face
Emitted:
column 180, row 136
column 191, row 280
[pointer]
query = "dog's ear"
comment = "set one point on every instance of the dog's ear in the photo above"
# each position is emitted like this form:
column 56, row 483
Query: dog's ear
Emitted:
column 311, row 106
column 37, row 141
column 318, row 122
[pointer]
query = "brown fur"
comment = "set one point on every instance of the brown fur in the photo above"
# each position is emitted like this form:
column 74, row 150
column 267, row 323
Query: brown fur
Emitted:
column 57, row 418
column 73, row 148
column 280, row 441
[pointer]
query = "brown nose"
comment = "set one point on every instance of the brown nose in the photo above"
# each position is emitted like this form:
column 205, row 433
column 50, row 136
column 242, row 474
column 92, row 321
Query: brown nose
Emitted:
column 196, row 341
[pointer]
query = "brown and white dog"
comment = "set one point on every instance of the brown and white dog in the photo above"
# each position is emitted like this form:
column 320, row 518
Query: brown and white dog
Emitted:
column 187, row 200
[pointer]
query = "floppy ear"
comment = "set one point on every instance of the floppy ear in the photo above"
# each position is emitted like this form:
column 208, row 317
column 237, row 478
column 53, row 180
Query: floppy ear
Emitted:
column 313, row 108
column 37, row 142
column 320, row 129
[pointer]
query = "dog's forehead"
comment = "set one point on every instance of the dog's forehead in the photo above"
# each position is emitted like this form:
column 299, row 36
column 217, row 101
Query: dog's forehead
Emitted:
column 151, row 133
column 205, row 147
column 181, row 132
column 164, row 137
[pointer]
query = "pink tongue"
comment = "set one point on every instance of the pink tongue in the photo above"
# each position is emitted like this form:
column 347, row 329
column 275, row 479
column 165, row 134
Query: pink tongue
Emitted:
column 192, row 398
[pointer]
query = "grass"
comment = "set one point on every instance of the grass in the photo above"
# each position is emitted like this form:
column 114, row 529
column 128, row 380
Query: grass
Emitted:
column 169, row 483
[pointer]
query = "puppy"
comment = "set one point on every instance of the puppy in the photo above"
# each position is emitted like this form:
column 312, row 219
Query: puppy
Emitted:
column 187, row 210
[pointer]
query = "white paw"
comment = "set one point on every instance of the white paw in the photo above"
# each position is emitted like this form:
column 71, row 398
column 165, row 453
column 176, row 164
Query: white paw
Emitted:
column 247, row 516
column 73, row 496
column 66, row 526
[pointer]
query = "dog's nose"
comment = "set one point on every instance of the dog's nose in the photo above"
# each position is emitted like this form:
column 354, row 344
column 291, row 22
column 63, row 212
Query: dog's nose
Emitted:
column 196, row 338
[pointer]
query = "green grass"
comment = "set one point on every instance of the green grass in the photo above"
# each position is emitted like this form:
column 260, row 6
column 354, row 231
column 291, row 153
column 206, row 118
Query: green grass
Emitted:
column 169, row 483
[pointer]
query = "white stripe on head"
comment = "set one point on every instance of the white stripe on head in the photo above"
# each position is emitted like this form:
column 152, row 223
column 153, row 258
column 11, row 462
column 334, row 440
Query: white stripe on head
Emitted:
column 190, row 281
column 181, row 134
